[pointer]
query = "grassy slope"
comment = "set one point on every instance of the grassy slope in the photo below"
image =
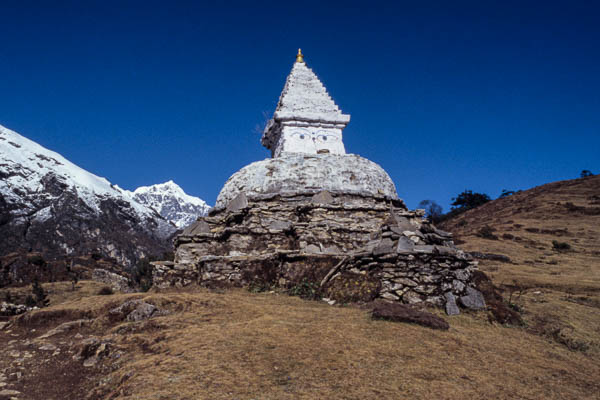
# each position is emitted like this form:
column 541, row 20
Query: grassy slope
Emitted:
column 558, row 290
column 535, row 218
column 268, row 346
column 237, row 344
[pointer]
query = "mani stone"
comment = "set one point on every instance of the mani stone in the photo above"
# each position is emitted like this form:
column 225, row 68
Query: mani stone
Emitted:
column 323, row 197
column 195, row 228
column 473, row 299
column 239, row 202
column 384, row 247
column 399, row 224
column 451, row 307
column 405, row 245
column 278, row 225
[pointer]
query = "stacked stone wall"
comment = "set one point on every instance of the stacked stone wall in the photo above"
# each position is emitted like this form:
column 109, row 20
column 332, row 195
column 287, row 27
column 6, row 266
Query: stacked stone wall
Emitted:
column 347, row 247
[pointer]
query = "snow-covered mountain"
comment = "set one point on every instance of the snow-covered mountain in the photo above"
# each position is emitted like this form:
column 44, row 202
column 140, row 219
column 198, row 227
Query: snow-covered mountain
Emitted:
column 52, row 206
column 172, row 203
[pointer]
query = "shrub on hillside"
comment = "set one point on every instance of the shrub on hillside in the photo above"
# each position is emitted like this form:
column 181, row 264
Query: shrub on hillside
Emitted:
column 38, row 296
column 105, row 291
column 465, row 201
column 306, row 290
column 30, row 301
column 142, row 274
column 506, row 193
column 468, row 200
column 433, row 210
column 36, row 260
column 487, row 232
column 560, row 246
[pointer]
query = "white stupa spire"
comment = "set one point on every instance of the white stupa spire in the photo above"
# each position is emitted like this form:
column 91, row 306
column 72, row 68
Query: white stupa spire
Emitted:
column 306, row 120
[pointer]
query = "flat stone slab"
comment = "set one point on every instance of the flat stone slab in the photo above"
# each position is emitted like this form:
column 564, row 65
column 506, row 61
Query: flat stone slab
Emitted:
column 451, row 306
column 405, row 245
column 323, row 197
column 402, row 313
column 473, row 299
column 196, row 228
column 239, row 202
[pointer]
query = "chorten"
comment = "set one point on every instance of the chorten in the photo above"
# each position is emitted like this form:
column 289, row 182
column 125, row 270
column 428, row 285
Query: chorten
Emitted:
column 314, row 215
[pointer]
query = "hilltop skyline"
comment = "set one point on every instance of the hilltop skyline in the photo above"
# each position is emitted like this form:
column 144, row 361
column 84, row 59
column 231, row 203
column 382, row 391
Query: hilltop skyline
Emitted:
column 444, row 98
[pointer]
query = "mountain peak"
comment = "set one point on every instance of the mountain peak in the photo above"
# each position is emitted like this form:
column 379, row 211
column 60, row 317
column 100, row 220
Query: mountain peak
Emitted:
column 170, row 201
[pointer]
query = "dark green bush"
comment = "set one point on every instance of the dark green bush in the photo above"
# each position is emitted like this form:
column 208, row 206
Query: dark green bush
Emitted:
column 106, row 291
column 487, row 232
column 30, row 301
column 306, row 290
column 468, row 200
column 39, row 294
column 142, row 274
column 36, row 260
column 560, row 246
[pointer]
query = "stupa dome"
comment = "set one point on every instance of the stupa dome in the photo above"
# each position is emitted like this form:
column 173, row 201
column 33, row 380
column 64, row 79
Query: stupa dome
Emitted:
column 301, row 173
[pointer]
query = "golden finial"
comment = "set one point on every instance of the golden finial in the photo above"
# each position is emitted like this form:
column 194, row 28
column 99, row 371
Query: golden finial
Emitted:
column 300, row 56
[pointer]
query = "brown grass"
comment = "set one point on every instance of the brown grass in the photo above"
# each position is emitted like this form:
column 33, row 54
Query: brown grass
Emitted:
column 238, row 344
column 270, row 346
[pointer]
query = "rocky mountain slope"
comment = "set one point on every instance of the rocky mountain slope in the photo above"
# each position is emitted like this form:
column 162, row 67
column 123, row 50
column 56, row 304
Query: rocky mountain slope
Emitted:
column 50, row 206
column 172, row 203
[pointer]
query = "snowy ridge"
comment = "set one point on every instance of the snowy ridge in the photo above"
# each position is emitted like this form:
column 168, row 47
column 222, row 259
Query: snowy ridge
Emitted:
column 24, row 164
column 171, row 202
column 51, row 206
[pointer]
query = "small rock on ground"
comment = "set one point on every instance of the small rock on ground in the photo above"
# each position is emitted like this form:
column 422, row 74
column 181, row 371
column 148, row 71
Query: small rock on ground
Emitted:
column 8, row 392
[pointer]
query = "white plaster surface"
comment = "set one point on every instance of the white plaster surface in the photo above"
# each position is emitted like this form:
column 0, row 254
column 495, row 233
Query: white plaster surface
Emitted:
column 305, row 108
column 305, row 98
column 296, row 172
column 310, row 140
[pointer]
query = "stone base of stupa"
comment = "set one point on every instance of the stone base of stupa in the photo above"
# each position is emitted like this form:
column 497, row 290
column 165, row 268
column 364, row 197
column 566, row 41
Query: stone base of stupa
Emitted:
column 346, row 247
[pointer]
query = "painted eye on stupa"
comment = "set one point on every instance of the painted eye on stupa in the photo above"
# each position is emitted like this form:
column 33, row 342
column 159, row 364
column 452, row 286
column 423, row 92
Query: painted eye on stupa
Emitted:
column 325, row 137
column 300, row 135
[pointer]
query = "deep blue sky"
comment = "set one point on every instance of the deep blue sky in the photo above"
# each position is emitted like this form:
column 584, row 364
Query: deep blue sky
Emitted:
column 446, row 96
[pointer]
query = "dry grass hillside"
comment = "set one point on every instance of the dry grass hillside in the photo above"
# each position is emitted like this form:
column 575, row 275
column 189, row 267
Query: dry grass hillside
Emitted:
column 525, row 225
column 551, row 234
column 234, row 344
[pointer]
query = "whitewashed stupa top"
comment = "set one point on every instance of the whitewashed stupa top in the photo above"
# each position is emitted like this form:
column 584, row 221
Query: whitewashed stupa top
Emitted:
column 305, row 139
column 306, row 120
